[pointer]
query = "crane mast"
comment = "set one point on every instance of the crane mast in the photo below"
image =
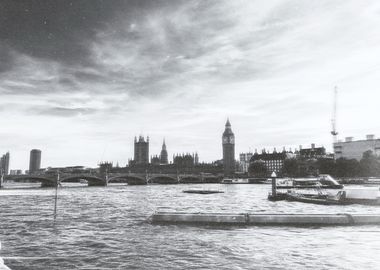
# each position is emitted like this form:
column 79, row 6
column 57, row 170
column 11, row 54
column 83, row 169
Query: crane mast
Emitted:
column 334, row 133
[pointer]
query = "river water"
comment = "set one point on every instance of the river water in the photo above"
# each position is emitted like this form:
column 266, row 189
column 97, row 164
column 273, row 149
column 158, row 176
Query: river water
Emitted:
column 108, row 228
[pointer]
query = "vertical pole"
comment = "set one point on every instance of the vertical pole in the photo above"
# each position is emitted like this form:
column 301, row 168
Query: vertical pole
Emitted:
column 274, row 188
column 1, row 179
column 56, row 197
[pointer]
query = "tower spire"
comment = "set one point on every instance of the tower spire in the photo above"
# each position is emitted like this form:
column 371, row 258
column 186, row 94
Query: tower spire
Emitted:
column 228, row 124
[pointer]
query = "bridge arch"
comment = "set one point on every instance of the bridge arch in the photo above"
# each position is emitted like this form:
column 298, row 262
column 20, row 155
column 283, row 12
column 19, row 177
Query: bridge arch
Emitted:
column 45, row 181
column 91, row 179
column 163, row 179
column 212, row 179
column 189, row 179
column 130, row 179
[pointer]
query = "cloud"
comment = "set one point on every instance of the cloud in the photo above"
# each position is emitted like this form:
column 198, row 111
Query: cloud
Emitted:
column 64, row 112
column 177, row 69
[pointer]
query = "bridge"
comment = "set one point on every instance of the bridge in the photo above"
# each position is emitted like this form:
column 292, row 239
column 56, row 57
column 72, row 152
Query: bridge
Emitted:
column 51, row 179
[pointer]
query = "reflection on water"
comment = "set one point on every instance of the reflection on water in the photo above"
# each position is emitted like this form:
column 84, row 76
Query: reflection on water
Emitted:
column 107, row 228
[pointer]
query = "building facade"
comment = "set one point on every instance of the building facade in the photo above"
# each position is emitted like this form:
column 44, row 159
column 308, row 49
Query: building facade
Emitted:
column 141, row 151
column 274, row 162
column 351, row 149
column 244, row 159
column 184, row 160
column 34, row 160
column 228, row 143
column 155, row 160
column 15, row 172
column 4, row 164
column 312, row 152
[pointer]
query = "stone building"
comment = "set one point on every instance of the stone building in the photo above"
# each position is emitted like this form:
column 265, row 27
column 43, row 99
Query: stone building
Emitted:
column 228, row 142
column 184, row 160
column 244, row 160
column 274, row 161
column 312, row 152
column 164, row 154
column 351, row 149
column 155, row 160
column 141, row 153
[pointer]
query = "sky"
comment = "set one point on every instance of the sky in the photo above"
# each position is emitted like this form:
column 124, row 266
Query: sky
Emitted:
column 80, row 79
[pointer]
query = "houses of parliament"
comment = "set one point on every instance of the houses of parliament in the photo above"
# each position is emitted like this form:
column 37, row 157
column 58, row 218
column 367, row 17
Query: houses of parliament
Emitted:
column 182, row 163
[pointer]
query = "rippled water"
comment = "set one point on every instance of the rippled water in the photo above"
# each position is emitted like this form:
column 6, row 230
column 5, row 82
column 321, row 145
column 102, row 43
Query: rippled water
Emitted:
column 107, row 228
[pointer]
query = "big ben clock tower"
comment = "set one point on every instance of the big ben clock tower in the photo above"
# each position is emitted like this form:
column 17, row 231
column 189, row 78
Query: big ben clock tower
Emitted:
column 228, row 141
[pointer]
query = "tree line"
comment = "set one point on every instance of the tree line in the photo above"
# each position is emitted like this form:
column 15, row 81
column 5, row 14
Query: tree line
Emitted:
column 368, row 166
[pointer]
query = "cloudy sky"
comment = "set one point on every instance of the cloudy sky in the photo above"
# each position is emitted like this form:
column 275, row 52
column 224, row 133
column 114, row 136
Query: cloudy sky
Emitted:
column 79, row 79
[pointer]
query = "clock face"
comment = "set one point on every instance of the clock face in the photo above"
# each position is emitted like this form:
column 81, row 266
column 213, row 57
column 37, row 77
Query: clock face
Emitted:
column 228, row 140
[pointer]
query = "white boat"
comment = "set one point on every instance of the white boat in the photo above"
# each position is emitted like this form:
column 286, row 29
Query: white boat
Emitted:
column 323, row 181
column 83, row 181
column 326, row 186
column 235, row 181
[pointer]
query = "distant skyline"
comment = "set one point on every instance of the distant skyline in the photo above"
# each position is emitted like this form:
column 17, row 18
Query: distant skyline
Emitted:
column 80, row 79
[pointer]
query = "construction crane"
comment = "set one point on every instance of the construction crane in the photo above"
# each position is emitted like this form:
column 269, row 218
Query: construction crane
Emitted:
column 334, row 133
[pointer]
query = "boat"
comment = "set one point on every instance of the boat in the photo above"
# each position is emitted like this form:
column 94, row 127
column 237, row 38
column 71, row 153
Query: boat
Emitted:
column 235, row 181
column 257, row 180
column 83, row 181
column 343, row 197
column 323, row 181
column 202, row 191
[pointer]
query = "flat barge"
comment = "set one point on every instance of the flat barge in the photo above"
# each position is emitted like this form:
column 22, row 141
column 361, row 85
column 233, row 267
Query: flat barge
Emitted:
column 265, row 219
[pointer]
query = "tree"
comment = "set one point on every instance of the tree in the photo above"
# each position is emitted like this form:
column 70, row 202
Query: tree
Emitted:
column 326, row 166
column 369, row 164
column 258, row 169
column 291, row 167
column 347, row 168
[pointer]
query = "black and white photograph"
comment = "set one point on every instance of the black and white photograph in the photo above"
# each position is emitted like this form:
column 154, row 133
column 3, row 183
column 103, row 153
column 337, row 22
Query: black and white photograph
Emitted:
column 189, row 134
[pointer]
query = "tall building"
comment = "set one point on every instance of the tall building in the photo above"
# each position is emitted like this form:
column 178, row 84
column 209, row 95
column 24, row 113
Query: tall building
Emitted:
column 141, row 150
column 244, row 159
column 4, row 164
column 196, row 159
column 34, row 161
column 164, row 154
column 228, row 142
column 351, row 149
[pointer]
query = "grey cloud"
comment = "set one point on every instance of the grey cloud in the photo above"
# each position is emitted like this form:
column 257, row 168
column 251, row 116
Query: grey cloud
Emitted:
column 60, row 30
column 63, row 112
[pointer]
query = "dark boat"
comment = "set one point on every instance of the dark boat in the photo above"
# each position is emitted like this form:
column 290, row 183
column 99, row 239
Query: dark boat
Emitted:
column 277, row 197
column 202, row 191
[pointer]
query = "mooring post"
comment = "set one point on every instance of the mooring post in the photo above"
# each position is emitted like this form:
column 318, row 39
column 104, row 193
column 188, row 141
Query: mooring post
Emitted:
column 1, row 179
column 274, row 190
column 106, row 176
column 56, row 196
